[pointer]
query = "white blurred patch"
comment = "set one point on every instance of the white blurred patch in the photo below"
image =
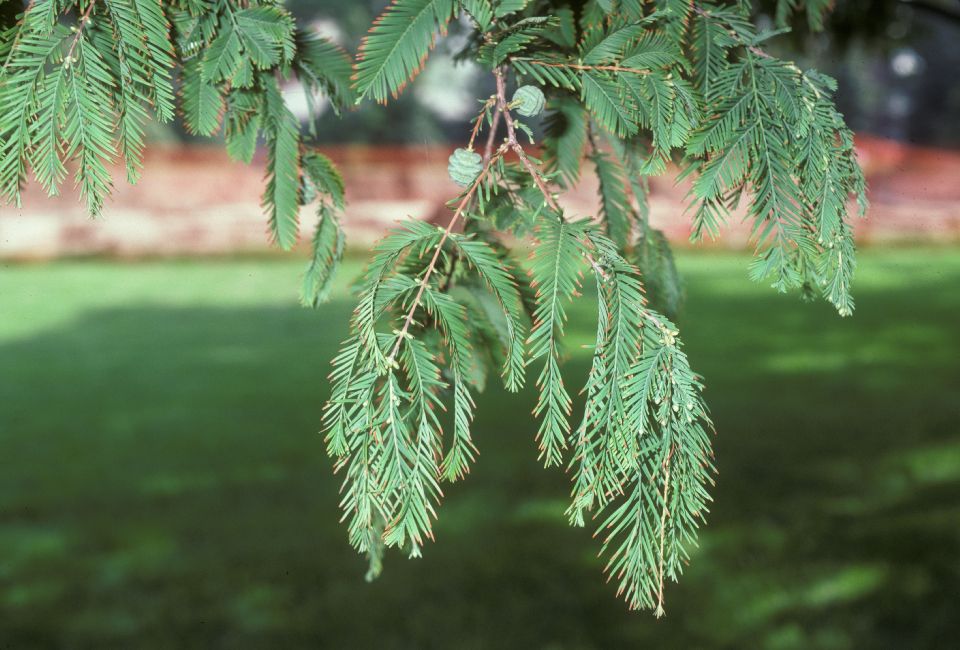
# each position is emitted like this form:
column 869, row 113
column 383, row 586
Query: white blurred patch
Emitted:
column 296, row 99
column 329, row 29
column 448, row 89
column 294, row 95
column 906, row 63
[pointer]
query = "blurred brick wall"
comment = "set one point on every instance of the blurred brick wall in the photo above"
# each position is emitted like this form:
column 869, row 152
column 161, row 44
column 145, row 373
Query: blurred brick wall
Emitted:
column 196, row 201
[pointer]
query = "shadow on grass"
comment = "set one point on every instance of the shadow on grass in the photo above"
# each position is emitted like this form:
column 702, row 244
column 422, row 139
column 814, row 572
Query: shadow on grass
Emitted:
column 164, row 486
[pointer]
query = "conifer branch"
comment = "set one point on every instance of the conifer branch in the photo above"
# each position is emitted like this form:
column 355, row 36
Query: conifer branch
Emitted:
column 514, row 143
column 431, row 267
column 517, row 148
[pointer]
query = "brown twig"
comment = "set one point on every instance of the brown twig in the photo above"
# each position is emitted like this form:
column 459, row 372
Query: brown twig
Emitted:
column 492, row 136
column 580, row 66
column 663, row 529
column 541, row 184
column 479, row 121
column 514, row 144
column 81, row 22
column 488, row 159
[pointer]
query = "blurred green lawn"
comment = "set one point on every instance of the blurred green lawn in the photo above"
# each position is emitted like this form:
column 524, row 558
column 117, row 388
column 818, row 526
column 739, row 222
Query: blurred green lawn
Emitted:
column 163, row 484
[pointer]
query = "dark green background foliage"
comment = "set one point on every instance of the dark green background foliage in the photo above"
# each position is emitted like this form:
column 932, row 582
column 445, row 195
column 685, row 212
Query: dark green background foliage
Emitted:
column 856, row 47
column 163, row 486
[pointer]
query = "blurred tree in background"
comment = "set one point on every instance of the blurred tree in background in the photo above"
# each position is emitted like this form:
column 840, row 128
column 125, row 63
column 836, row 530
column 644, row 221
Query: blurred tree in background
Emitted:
column 891, row 58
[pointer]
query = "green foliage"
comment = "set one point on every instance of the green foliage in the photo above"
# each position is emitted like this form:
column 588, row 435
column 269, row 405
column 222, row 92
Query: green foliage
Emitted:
column 398, row 44
column 82, row 79
column 772, row 120
column 555, row 274
column 615, row 208
column 282, row 196
column 321, row 179
column 382, row 419
column 637, row 84
column 816, row 11
column 565, row 138
column 663, row 284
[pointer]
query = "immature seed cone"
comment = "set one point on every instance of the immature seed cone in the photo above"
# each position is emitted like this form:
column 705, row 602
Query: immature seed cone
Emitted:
column 528, row 101
column 465, row 166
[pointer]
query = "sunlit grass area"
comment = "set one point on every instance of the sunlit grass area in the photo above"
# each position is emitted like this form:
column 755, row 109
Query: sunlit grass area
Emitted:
column 163, row 483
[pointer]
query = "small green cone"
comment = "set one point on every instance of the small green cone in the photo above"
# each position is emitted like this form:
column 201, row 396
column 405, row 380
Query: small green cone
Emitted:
column 464, row 167
column 529, row 101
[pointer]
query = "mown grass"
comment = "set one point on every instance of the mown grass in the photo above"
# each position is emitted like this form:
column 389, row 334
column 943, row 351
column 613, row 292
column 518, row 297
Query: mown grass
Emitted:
column 163, row 483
